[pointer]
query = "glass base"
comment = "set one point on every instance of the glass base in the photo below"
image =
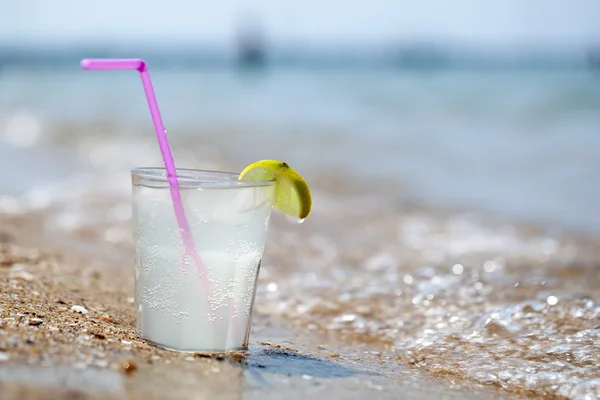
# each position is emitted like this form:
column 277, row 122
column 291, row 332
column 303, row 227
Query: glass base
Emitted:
column 210, row 352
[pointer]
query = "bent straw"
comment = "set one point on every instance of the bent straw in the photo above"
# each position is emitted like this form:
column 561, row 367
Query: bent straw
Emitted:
column 163, row 143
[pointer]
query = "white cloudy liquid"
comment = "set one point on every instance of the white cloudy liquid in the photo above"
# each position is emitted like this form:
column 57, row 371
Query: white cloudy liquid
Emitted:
column 175, row 312
column 173, row 308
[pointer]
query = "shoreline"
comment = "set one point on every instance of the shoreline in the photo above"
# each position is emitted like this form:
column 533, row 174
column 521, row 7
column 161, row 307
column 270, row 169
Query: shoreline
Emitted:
column 453, row 300
column 66, row 332
column 83, row 270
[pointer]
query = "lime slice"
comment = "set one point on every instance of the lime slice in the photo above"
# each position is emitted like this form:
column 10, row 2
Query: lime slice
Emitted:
column 292, row 195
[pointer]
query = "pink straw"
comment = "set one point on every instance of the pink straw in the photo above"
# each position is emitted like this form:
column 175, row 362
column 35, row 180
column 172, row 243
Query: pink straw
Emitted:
column 163, row 143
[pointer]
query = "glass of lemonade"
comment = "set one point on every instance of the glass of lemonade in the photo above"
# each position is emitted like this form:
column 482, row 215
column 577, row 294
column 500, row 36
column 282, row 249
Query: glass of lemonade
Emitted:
column 228, row 221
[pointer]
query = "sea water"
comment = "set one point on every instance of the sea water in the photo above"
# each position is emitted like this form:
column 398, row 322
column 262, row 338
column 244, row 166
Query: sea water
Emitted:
column 189, row 306
column 521, row 143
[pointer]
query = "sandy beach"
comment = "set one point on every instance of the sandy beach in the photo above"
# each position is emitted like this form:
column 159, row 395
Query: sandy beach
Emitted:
column 67, row 332
column 424, row 304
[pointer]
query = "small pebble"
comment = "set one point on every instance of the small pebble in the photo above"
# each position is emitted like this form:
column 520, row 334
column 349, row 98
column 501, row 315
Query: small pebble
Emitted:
column 128, row 367
column 36, row 321
column 80, row 310
column 106, row 318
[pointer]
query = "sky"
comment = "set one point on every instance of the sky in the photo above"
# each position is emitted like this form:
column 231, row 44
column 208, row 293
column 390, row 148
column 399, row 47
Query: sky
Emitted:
column 311, row 22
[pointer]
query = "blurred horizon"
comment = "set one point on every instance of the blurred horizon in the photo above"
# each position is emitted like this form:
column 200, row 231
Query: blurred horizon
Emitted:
column 378, row 33
column 413, row 56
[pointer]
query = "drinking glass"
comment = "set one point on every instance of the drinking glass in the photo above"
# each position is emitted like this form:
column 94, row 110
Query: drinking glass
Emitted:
column 201, row 304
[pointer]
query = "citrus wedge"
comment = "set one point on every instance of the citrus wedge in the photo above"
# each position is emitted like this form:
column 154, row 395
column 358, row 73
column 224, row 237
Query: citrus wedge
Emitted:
column 292, row 195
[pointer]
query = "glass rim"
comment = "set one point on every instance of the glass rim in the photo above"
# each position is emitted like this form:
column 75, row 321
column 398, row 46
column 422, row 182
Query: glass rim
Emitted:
column 197, row 178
